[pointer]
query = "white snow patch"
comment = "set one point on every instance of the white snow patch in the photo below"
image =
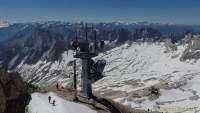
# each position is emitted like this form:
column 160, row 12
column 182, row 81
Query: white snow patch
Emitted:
column 40, row 104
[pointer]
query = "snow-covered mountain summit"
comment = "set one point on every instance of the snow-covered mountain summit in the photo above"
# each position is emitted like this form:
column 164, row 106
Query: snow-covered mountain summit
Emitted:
column 131, row 70
column 136, row 61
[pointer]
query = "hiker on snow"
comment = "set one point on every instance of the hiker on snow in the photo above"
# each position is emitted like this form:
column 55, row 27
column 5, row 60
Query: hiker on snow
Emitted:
column 54, row 103
column 49, row 99
column 57, row 86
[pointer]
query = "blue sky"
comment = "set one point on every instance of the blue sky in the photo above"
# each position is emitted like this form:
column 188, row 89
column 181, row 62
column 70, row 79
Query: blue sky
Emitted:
column 163, row 11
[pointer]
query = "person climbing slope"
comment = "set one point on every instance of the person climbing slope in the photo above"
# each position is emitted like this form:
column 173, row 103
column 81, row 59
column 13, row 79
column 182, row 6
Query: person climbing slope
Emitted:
column 49, row 98
column 57, row 86
column 54, row 103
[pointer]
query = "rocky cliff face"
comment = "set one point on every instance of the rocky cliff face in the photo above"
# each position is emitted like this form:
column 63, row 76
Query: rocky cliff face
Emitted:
column 193, row 49
column 14, row 94
column 30, row 47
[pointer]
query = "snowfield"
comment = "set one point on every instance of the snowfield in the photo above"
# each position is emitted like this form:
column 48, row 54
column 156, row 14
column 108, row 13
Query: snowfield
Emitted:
column 133, row 69
column 130, row 71
column 40, row 104
column 48, row 73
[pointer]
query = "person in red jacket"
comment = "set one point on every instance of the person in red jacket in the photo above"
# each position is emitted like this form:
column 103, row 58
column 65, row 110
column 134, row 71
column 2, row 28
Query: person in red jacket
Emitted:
column 49, row 99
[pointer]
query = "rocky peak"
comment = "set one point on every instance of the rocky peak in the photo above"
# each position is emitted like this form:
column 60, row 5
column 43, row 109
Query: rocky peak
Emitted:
column 14, row 94
column 193, row 49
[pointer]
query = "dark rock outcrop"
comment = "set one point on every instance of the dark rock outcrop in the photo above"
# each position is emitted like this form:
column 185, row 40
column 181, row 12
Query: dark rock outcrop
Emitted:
column 14, row 94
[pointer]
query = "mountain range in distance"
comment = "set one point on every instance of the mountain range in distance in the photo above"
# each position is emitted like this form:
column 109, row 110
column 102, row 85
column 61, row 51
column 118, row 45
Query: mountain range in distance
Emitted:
column 31, row 42
column 66, row 28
